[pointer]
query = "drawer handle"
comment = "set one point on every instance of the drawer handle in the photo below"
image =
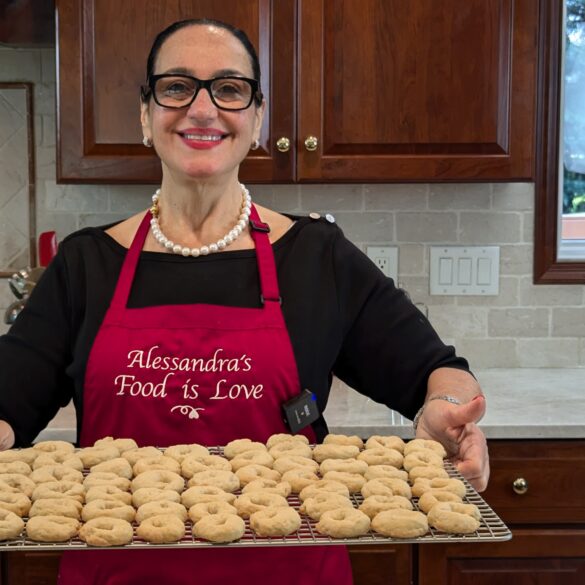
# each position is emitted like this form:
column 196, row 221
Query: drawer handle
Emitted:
column 520, row 486
column 311, row 143
column 283, row 144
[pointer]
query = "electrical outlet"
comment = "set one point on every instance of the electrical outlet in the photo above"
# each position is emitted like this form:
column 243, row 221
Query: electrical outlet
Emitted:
column 385, row 258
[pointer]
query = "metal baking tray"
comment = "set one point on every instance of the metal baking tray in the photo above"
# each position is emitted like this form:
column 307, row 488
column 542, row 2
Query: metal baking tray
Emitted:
column 492, row 529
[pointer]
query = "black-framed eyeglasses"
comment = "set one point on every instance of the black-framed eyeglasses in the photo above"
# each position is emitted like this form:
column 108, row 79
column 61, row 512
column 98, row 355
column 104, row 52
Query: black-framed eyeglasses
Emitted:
column 179, row 91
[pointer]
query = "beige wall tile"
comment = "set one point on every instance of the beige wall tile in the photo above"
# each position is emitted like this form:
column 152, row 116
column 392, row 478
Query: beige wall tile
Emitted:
column 324, row 198
column 20, row 64
column 518, row 322
column 507, row 297
column 45, row 98
column 516, row 260
column 411, row 259
column 45, row 163
column 418, row 289
column 568, row 322
column 61, row 223
column 450, row 196
column 396, row 197
column 76, row 198
column 48, row 66
column 99, row 219
column 129, row 199
column 366, row 226
column 489, row 228
column 582, row 359
column 459, row 322
column 547, row 294
column 426, row 227
column 528, row 227
column 488, row 353
column 513, row 196
column 549, row 353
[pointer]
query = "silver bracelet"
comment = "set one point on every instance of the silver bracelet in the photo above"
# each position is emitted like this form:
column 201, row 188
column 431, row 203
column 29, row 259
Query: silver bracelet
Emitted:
column 445, row 397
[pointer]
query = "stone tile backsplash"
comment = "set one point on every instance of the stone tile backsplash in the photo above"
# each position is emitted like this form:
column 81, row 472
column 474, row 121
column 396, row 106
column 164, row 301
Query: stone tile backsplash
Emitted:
column 524, row 326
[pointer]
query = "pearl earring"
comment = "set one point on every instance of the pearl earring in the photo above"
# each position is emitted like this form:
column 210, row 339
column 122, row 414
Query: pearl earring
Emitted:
column 147, row 142
column 255, row 145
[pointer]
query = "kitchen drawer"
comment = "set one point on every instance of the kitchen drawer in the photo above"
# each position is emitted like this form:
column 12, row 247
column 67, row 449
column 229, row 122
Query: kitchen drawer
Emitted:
column 554, row 472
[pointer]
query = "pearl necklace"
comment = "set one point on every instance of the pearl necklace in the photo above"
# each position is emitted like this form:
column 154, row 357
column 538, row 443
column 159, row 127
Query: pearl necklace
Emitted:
column 229, row 238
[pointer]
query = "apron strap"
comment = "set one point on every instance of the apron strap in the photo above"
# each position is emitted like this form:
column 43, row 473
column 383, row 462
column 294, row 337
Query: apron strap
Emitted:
column 266, row 265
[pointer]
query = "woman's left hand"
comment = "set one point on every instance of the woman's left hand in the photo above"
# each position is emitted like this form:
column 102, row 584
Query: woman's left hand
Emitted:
column 454, row 426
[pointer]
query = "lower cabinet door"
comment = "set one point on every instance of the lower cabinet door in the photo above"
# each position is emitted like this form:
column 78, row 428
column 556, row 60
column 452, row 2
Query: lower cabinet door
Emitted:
column 30, row 568
column 384, row 564
column 532, row 557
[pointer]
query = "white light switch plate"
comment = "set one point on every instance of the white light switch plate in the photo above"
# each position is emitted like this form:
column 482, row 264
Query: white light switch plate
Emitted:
column 465, row 270
column 386, row 259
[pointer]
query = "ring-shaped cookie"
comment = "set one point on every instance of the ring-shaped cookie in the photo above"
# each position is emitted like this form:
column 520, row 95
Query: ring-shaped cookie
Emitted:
column 17, row 483
column 417, row 444
column 54, row 446
column 19, row 504
column 253, row 471
column 322, row 452
column 353, row 481
column 179, row 452
column 422, row 457
column 450, row 484
column 104, row 531
column 382, row 456
column 280, row 437
column 27, row 455
column 11, row 525
column 161, row 529
column 57, row 472
column 51, row 528
column 248, row 457
column 427, row 471
column 282, row 488
column 343, row 523
column 106, row 478
column 432, row 497
column 121, row 444
column 134, row 455
column 202, row 509
column 291, row 448
column 299, row 478
column 344, row 465
column 56, row 507
column 108, row 492
column 161, row 462
column 332, row 439
column 275, row 522
column 15, row 467
column 58, row 458
column 316, row 505
column 161, row 507
column 324, row 485
column 386, row 486
column 226, row 480
column 205, row 493
column 220, row 527
column 247, row 504
column 164, row 480
column 91, row 456
column 454, row 518
column 145, row 495
column 284, row 464
column 118, row 465
column 237, row 446
column 386, row 442
column 109, row 509
column 377, row 471
column 59, row 489
column 373, row 505
column 400, row 523
column 195, row 463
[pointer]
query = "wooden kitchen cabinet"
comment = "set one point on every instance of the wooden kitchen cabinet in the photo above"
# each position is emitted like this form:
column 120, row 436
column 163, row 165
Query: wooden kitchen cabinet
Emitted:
column 390, row 90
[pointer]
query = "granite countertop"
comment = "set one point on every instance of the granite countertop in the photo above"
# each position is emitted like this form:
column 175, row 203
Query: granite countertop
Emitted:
column 523, row 403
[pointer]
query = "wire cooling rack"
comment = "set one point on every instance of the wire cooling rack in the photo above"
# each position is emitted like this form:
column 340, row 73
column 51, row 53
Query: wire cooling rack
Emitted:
column 492, row 529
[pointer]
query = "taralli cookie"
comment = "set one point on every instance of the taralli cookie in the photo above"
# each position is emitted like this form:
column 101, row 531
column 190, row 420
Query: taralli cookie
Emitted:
column 354, row 481
column 121, row 444
column 54, row 446
column 17, row 483
column 373, row 505
column 134, row 455
column 15, row 467
column 299, row 478
column 450, row 484
column 290, row 448
column 56, row 507
column 198, row 511
column 417, row 444
column 108, row 492
column 324, row 485
column 58, row 458
column 161, row 507
column 315, row 506
column 432, row 497
column 269, row 486
column 420, row 458
column 28, row 456
column 164, row 480
column 56, row 473
column 234, row 448
column 145, row 495
column 275, row 521
column 59, row 489
column 322, row 452
column 386, row 442
column 248, row 457
column 19, row 504
column 105, row 531
column 106, row 478
column 195, row 463
column 454, row 518
column 426, row 471
column 247, row 504
column 284, row 464
column 51, row 528
column 343, row 523
column 400, row 523
column 386, row 486
column 332, row 439
column 280, row 437
column 162, row 462
column 11, row 525
column 205, row 493
column 161, row 529
column 179, row 452
column 381, row 456
column 119, row 466
column 220, row 527
column 377, row 471
column 226, row 480
column 108, row 508
column 91, row 456
column 253, row 471
column 344, row 465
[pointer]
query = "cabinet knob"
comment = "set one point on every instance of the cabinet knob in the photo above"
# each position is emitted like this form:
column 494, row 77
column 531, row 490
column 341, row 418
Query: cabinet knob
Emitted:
column 311, row 143
column 283, row 144
column 520, row 486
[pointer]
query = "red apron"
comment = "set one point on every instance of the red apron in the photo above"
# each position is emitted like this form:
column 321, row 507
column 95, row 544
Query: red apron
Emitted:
column 199, row 373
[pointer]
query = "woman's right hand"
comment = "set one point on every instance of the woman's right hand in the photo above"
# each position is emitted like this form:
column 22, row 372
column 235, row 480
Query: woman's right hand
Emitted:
column 6, row 436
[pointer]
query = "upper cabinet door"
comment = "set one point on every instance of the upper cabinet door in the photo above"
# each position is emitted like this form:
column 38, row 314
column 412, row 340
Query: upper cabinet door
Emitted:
column 416, row 91
column 102, row 51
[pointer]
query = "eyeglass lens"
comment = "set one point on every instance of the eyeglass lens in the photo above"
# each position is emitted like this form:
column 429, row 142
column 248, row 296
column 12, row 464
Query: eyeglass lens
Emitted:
column 227, row 93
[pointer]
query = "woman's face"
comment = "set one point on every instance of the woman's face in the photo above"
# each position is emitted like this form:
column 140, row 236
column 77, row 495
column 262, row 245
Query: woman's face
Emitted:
column 182, row 137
